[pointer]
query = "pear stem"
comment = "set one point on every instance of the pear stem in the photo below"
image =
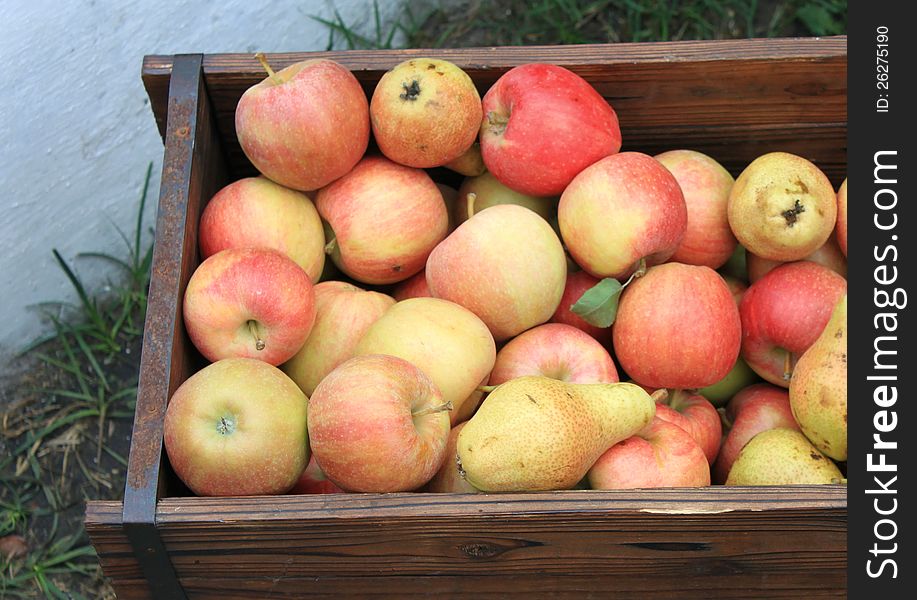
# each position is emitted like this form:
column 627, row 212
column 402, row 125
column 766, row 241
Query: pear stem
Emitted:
column 787, row 365
column 270, row 72
column 469, row 204
column 433, row 409
column 331, row 246
column 660, row 395
column 486, row 388
column 253, row 329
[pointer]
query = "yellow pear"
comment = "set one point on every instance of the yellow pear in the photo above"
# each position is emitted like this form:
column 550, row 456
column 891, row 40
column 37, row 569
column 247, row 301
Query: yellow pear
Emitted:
column 534, row 433
column 782, row 456
column 818, row 389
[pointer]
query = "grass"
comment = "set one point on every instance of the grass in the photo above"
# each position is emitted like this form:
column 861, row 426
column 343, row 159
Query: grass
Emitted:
column 66, row 424
column 464, row 23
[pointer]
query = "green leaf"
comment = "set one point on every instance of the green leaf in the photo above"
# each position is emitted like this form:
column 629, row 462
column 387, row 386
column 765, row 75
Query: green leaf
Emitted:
column 598, row 306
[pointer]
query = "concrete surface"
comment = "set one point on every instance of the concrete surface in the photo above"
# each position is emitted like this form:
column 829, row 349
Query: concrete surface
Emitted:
column 77, row 131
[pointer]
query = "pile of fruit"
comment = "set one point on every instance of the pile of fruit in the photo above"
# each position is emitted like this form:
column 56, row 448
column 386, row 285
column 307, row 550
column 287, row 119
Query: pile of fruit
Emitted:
column 571, row 316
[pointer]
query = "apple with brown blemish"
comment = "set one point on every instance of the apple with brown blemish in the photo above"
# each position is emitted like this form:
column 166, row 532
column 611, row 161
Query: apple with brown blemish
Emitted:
column 305, row 125
column 425, row 113
column 782, row 207
column 383, row 219
column 249, row 302
column 542, row 125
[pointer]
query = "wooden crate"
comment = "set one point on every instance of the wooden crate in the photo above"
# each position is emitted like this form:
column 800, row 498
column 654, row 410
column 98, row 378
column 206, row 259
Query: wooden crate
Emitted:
column 733, row 100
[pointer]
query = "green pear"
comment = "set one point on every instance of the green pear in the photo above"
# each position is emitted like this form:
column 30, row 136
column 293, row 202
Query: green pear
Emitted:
column 534, row 433
column 818, row 388
column 782, row 456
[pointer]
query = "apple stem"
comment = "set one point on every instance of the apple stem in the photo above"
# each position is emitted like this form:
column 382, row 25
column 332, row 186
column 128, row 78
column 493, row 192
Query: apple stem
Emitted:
column 270, row 72
column 331, row 246
column 433, row 409
column 787, row 366
column 660, row 395
column 469, row 203
column 725, row 420
column 486, row 388
column 253, row 329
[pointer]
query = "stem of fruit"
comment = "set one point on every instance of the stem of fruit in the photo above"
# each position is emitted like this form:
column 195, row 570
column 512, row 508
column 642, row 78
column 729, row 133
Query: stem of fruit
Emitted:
column 660, row 395
column 253, row 329
column 486, row 388
column 725, row 420
column 469, row 203
column 331, row 246
column 433, row 409
column 787, row 365
column 270, row 72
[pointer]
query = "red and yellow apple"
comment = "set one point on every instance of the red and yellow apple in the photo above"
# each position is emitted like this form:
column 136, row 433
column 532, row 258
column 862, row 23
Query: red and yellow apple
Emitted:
column 828, row 255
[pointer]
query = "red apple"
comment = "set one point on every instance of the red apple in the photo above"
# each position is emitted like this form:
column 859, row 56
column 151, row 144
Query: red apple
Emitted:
column 505, row 264
column 754, row 409
column 425, row 113
column 378, row 424
column 783, row 313
column 705, row 183
column 343, row 313
column 414, row 286
column 557, row 351
column 696, row 415
column 384, row 218
column 313, row 481
column 306, row 125
column 828, row 255
column 237, row 427
column 578, row 283
column 449, row 479
column 249, row 302
column 542, row 125
column 621, row 211
column 677, row 327
column 660, row 455
column 842, row 217
column 257, row 212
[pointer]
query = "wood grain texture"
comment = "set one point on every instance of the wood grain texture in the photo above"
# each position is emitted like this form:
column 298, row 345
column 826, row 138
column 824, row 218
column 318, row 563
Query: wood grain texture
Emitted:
column 732, row 99
column 770, row 541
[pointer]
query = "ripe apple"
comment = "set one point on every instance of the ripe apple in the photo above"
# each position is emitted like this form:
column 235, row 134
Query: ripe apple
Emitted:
column 249, row 302
column 842, row 217
column 737, row 287
column 705, row 184
column 677, row 327
column 757, row 408
column 488, row 191
column 783, row 313
column 505, row 264
column 696, row 415
column 557, row 351
column 578, row 282
column 378, row 424
column 782, row 207
column 741, row 376
column 425, row 112
column 343, row 313
column 414, row 286
column 542, row 125
column 259, row 213
column 660, row 455
column 622, row 210
column 828, row 255
column 446, row 341
column 237, row 427
column 449, row 479
column 304, row 126
column 384, row 219
column 314, row 481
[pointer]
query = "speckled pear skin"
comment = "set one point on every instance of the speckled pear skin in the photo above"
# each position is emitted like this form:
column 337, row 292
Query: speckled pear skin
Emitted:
column 782, row 457
column 818, row 389
column 534, row 433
